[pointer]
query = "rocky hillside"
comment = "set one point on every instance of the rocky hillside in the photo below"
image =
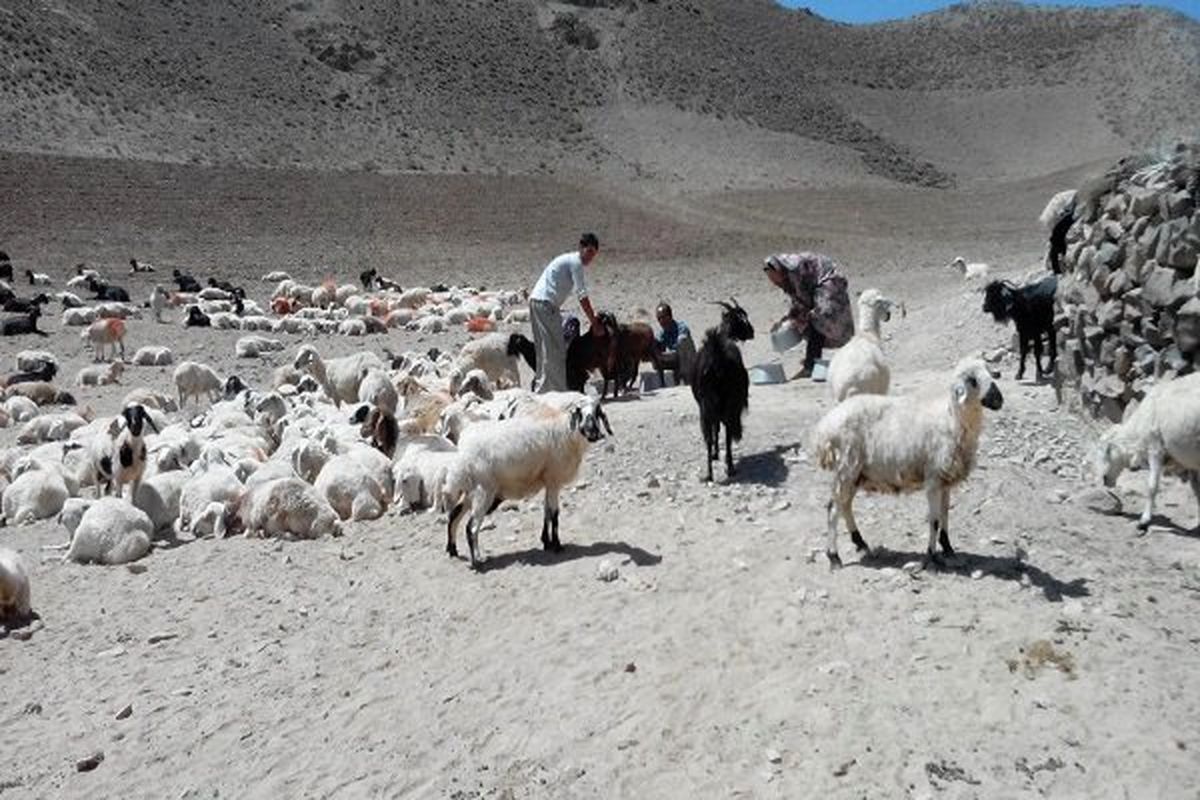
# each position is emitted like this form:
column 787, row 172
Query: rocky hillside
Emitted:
column 667, row 88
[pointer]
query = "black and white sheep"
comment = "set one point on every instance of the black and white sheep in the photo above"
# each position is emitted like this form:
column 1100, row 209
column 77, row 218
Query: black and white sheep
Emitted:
column 721, row 385
column 892, row 444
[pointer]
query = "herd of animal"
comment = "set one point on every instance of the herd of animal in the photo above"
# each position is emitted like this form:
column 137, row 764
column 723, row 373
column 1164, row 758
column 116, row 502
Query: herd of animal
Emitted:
column 332, row 440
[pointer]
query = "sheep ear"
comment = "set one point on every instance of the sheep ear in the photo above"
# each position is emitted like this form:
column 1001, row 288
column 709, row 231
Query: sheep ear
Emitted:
column 604, row 419
column 149, row 420
column 960, row 392
column 114, row 427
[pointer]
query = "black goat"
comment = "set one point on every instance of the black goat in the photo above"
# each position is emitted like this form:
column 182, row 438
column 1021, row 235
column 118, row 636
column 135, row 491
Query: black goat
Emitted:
column 19, row 305
column 367, row 278
column 721, row 384
column 588, row 352
column 104, row 291
column 1031, row 307
column 224, row 286
column 18, row 326
column 186, row 283
column 521, row 345
column 197, row 318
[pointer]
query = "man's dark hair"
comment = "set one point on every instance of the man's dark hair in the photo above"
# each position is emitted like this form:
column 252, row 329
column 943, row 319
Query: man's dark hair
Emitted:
column 3, row 256
column 589, row 240
column 664, row 306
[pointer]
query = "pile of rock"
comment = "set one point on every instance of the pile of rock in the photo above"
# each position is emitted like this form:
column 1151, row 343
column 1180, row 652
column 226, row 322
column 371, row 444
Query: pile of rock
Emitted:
column 1129, row 295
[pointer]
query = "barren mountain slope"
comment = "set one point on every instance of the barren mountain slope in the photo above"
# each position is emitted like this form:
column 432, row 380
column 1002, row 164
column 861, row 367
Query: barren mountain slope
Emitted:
column 531, row 86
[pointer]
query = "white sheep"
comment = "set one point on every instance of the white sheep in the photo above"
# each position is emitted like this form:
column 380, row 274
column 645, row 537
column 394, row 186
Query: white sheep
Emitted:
column 973, row 271
column 351, row 484
column 214, row 485
column 100, row 375
column 160, row 299
column 78, row 316
column 153, row 356
column 901, row 444
column 72, row 512
column 37, row 278
column 377, row 389
column 860, row 367
column 15, row 604
column 158, row 497
column 35, row 493
column 275, row 277
column 285, row 506
column 419, row 476
column 255, row 346
column 70, row 300
column 512, row 459
column 21, row 408
column 111, row 531
column 196, row 380
column 50, row 427
column 340, row 376
column 1162, row 433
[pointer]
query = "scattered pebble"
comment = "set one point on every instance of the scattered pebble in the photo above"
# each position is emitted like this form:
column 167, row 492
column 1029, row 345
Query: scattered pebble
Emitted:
column 607, row 571
column 125, row 712
column 90, row 763
column 161, row 637
column 773, row 755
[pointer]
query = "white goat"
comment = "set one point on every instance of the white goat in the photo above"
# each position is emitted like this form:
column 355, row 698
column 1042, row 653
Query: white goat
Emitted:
column 902, row 444
column 513, row 459
column 860, row 366
column 1163, row 433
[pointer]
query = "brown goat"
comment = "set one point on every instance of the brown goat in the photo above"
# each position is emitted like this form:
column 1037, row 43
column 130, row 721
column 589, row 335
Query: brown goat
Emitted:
column 589, row 352
column 635, row 344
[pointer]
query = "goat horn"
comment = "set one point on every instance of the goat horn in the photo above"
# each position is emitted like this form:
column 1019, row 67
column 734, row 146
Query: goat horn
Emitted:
column 722, row 304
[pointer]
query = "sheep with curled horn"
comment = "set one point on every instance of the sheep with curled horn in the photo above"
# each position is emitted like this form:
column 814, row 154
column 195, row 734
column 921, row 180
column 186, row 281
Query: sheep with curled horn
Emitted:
column 721, row 385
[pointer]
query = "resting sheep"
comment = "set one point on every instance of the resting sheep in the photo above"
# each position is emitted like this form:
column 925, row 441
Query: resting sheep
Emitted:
column 971, row 271
column 35, row 493
column 513, row 459
column 351, row 484
column 153, row 356
column 901, row 444
column 100, row 376
column 860, row 366
column 111, row 531
column 1163, row 433
column 286, row 506
column 15, row 608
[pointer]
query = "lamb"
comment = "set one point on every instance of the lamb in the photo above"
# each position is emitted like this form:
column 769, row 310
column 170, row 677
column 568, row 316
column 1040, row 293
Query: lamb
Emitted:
column 901, row 444
column 1163, row 432
column 419, row 477
column 160, row 299
column 285, row 506
column 15, row 608
column 111, row 531
column 23, row 325
column 195, row 380
column 512, row 459
column 721, row 385
column 37, row 278
column 35, row 493
column 970, row 271
column 255, row 346
column 860, row 366
column 196, row 318
column 106, row 333
column 340, row 376
column 204, row 498
column 153, row 356
column 100, row 376
column 1031, row 307
column 21, row 408
column 129, row 450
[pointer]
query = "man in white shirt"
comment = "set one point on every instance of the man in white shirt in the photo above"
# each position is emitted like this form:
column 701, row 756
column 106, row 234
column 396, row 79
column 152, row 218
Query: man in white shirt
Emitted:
column 560, row 277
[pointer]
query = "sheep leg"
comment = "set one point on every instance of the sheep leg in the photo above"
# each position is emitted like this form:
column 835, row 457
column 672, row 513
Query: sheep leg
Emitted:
column 944, row 524
column 550, row 521
column 1037, row 356
column 860, row 544
column 831, row 517
column 1155, row 475
column 481, row 502
column 452, row 527
column 1194, row 480
column 707, row 430
column 1023, row 345
column 933, row 495
column 728, row 453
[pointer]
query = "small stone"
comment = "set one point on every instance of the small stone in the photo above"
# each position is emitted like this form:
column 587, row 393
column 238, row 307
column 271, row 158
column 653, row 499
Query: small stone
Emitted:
column 912, row 567
column 90, row 763
column 773, row 755
column 653, row 483
column 631, row 667
column 976, row 574
column 136, row 569
column 125, row 712
column 1100, row 500
column 607, row 571
column 783, row 505
column 161, row 637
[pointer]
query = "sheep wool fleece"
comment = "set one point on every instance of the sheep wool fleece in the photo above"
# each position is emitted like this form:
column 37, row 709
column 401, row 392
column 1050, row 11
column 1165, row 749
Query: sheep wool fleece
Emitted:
column 551, row 348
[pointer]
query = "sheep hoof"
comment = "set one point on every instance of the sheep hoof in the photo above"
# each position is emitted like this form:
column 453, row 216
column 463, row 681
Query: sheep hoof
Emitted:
column 1143, row 527
column 835, row 561
column 933, row 559
column 944, row 541
column 860, row 544
column 452, row 551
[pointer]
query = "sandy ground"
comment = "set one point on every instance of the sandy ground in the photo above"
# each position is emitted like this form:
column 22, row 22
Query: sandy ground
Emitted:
column 1055, row 657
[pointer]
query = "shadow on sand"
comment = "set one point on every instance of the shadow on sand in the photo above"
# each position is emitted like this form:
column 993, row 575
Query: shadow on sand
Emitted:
column 1006, row 568
column 537, row 557
column 766, row 467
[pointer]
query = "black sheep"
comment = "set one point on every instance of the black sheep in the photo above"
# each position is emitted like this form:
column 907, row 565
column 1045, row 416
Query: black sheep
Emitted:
column 721, row 384
column 18, row 326
column 224, row 286
column 1031, row 307
column 197, row 319
column 104, row 291
column 19, row 305
column 186, row 283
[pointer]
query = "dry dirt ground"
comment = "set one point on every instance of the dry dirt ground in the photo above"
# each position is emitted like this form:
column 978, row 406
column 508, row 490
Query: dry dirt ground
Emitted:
column 1056, row 656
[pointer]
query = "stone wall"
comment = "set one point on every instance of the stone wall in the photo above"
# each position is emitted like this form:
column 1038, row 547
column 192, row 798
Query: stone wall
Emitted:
column 1129, row 294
